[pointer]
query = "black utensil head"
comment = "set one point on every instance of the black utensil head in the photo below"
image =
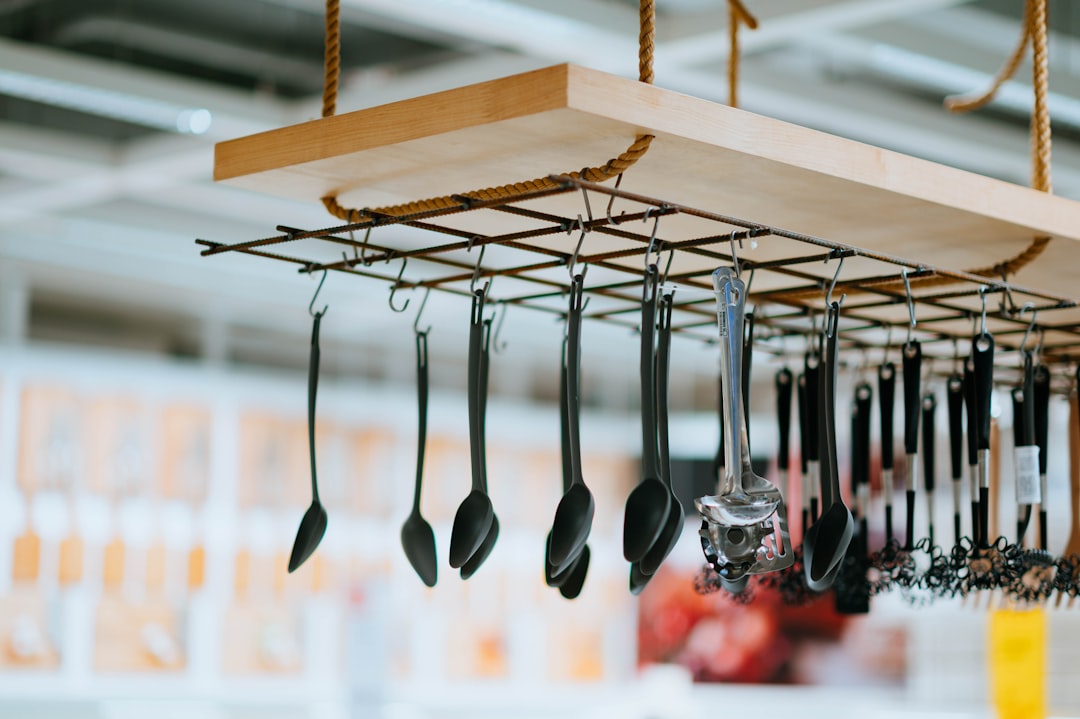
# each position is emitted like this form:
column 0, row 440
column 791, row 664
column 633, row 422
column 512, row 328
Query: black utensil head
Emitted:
column 571, row 588
column 311, row 531
column 669, row 537
column 638, row 579
column 573, row 520
column 646, row 513
column 825, row 545
column 471, row 525
column 483, row 551
column 418, row 541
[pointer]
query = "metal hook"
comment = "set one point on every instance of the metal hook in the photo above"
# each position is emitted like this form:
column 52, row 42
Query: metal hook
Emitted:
column 652, row 237
column 577, row 249
column 1031, row 325
column 734, row 255
column 832, row 286
column 910, row 303
column 495, row 343
column 394, row 289
column 363, row 248
column 611, row 201
column 311, row 305
column 982, row 319
column 667, row 267
column 476, row 270
column 588, row 207
column 416, row 322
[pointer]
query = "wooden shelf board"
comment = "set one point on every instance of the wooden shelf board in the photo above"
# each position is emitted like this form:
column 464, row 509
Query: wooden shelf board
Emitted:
column 562, row 118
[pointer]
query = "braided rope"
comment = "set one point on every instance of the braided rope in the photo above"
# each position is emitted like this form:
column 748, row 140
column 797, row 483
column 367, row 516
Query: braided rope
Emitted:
column 613, row 167
column 737, row 14
column 967, row 103
column 332, row 57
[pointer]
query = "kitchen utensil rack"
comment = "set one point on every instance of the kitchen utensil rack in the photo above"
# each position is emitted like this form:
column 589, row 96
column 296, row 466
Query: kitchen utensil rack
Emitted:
column 619, row 232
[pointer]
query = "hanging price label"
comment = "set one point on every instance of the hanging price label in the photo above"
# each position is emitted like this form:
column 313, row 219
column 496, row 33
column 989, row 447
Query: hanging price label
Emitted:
column 1018, row 663
column 1026, row 461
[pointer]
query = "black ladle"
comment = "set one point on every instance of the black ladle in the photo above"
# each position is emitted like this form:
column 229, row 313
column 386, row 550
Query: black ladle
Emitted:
column 912, row 364
column 669, row 535
column 484, row 550
column 648, row 504
column 313, row 525
column 417, row 537
column 827, row 540
column 954, row 392
column 887, row 396
column 475, row 515
column 574, row 515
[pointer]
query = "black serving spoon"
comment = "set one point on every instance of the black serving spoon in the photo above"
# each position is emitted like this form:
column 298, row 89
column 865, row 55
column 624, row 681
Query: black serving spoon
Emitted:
column 929, row 440
column 887, row 396
column 475, row 515
column 648, row 504
column 574, row 515
column 484, row 550
column 912, row 364
column 852, row 590
column 556, row 575
column 972, row 445
column 672, row 530
column 313, row 525
column 417, row 537
column 982, row 352
column 828, row 538
column 954, row 393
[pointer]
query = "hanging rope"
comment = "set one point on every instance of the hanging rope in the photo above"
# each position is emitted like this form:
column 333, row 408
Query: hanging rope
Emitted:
column 737, row 15
column 1035, row 33
column 611, row 168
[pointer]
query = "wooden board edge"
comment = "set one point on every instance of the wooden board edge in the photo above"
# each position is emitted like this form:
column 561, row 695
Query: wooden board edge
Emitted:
column 505, row 98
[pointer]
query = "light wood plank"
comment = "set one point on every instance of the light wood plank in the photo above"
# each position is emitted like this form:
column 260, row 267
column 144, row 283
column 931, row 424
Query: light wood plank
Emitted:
column 706, row 155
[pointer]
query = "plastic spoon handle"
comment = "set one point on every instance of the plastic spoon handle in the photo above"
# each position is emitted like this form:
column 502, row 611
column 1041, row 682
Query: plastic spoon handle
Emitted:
column 783, row 413
column 313, row 388
column 422, row 412
column 648, row 394
column 663, row 356
column 485, row 364
column 476, row 340
column 1041, row 381
column 972, row 443
column 564, row 424
column 954, row 394
column 830, row 476
column 982, row 352
column 887, row 396
column 864, row 400
column 1020, row 439
column 573, row 375
column 929, row 437
column 912, row 364
column 803, row 441
column 812, row 443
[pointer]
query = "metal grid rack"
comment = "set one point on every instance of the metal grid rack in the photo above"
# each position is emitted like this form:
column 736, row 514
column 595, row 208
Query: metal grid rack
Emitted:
column 789, row 273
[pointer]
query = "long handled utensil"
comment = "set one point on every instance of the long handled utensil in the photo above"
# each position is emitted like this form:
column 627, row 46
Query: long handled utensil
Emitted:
column 912, row 364
column 886, row 396
column 954, row 393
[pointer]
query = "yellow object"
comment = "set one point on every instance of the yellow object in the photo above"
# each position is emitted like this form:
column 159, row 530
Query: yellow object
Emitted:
column 1018, row 663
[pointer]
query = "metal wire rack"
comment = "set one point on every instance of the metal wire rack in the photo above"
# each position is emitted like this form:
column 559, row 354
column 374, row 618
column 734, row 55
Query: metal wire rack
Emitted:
column 529, row 248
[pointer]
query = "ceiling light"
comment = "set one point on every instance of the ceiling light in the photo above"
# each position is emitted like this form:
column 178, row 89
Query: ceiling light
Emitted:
column 106, row 103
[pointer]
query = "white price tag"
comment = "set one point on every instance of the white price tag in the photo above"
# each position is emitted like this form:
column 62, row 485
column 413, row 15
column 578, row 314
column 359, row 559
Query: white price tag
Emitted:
column 1026, row 461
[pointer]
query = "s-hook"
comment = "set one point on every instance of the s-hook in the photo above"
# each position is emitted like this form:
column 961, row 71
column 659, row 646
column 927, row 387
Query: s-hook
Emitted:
column 416, row 322
column 496, row 344
column 652, row 237
column 394, row 288
column 833, row 314
column 572, row 262
column 832, row 285
column 311, row 305
column 910, row 303
column 611, row 201
column 476, row 270
column 734, row 255
column 1031, row 325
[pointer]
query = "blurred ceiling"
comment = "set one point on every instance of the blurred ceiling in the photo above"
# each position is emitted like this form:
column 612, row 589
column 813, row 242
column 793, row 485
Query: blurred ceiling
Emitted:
column 109, row 110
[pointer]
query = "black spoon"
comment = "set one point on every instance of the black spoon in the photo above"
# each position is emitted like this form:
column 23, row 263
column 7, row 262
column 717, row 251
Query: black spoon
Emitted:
column 929, row 438
column 574, row 515
column 648, row 504
column 313, row 525
column 475, row 515
column 982, row 352
column 1041, row 381
column 484, row 550
column 672, row 530
column 554, row 575
column 571, row 588
column 887, row 395
column 417, row 537
column 954, row 392
column 852, row 590
column 912, row 364
column 827, row 540
column 972, row 445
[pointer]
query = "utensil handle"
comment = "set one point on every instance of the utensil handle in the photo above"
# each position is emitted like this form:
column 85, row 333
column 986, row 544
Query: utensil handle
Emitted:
column 929, row 410
column 663, row 362
column 747, row 361
column 970, row 407
column 909, row 540
column 1029, row 400
column 648, row 394
column 864, row 400
column 718, row 461
column 564, row 422
column 800, row 392
column 1019, row 430
column 954, row 393
column 731, row 304
column 830, row 476
column 1041, row 380
column 887, row 395
column 912, row 364
column 783, row 381
column 476, row 339
column 485, row 366
column 313, row 388
column 573, row 374
column 421, row 414
column 982, row 352
column 812, row 372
